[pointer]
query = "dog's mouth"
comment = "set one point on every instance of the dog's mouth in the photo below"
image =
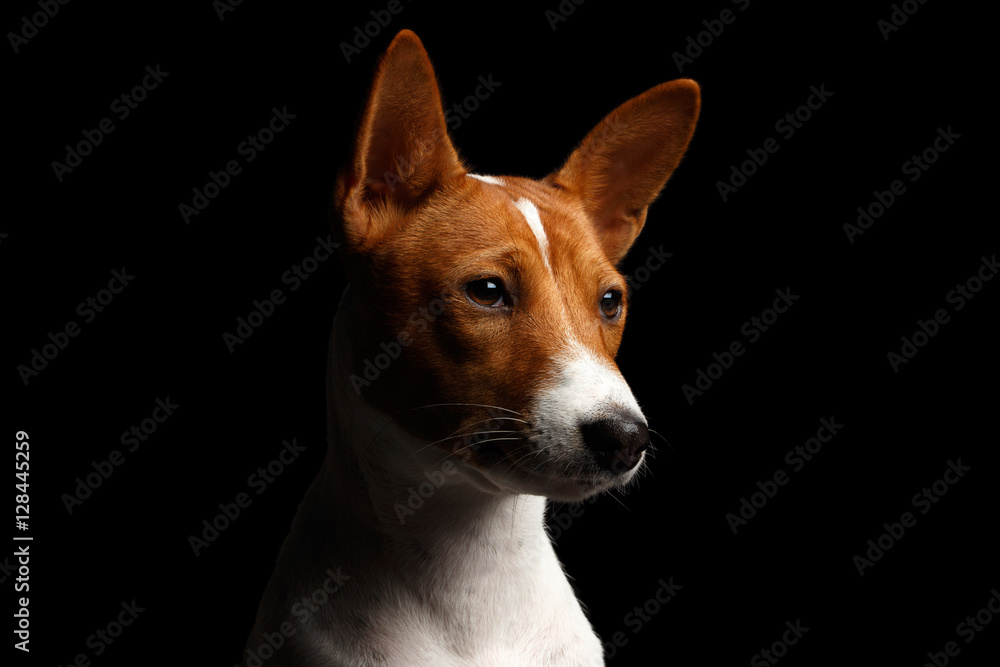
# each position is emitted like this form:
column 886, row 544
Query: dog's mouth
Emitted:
column 518, row 463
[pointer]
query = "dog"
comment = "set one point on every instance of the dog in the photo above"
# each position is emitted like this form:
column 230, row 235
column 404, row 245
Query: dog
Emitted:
column 471, row 377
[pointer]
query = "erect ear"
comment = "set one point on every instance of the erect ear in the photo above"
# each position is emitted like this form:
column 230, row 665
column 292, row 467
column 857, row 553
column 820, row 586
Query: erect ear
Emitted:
column 401, row 150
column 624, row 162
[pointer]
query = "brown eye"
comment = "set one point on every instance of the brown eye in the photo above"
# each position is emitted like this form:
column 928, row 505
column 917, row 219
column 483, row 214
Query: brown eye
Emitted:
column 611, row 304
column 486, row 292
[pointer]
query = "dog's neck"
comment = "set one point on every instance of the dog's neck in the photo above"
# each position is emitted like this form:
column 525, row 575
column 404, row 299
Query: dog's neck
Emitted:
column 429, row 513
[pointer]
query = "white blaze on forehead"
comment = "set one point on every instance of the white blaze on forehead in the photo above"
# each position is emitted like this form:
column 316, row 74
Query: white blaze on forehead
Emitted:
column 530, row 213
column 488, row 179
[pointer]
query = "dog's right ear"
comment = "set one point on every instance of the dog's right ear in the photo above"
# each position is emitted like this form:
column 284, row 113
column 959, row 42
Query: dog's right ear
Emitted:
column 624, row 162
column 401, row 150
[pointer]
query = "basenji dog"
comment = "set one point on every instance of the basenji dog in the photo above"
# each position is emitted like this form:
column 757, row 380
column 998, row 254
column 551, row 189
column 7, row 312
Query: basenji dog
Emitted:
column 471, row 376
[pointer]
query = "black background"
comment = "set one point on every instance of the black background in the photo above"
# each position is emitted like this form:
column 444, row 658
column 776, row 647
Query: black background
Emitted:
column 825, row 358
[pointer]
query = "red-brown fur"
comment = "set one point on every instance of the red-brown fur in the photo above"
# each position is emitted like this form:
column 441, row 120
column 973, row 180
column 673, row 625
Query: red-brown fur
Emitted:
column 415, row 228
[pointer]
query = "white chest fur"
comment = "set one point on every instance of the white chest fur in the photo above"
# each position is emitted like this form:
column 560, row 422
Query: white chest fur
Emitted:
column 462, row 577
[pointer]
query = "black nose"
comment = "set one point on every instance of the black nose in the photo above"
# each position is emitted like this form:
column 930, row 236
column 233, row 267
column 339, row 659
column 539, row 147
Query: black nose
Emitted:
column 617, row 444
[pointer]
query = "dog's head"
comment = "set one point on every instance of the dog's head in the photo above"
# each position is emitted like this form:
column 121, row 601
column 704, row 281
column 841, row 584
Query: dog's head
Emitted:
column 490, row 309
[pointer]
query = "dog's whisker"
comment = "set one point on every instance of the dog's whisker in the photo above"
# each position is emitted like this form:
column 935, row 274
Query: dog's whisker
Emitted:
column 483, row 442
column 611, row 493
column 539, row 465
column 448, row 455
column 456, row 436
column 660, row 435
column 417, row 523
column 513, row 463
column 474, row 405
column 513, row 453
column 519, row 461
column 378, row 433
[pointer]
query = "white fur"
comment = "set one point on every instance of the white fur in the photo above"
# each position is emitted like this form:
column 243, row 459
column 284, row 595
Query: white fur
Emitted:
column 586, row 388
column 530, row 213
column 469, row 579
column 488, row 179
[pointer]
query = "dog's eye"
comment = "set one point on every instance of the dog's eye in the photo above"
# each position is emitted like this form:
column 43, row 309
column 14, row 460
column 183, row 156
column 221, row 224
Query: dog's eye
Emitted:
column 486, row 292
column 611, row 304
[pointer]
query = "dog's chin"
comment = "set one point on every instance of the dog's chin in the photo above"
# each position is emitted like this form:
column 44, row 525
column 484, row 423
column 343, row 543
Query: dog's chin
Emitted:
column 574, row 488
column 498, row 474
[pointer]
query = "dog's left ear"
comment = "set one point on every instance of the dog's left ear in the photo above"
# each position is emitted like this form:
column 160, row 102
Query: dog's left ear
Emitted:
column 624, row 162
